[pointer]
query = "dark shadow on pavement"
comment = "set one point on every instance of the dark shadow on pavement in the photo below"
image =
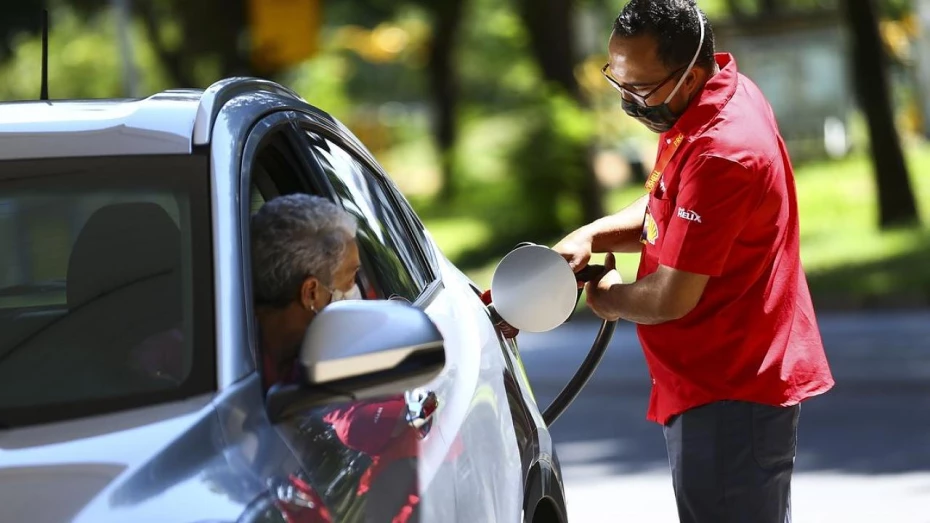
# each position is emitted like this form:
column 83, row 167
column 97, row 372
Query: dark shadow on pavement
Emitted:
column 875, row 421
column 899, row 281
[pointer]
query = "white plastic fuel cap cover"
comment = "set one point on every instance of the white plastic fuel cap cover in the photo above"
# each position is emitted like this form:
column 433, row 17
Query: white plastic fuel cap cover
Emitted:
column 534, row 289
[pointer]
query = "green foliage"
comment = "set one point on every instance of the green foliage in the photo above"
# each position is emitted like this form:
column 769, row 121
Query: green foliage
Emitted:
column 84, row 61
column 495, row 68
column 322, row 82
column 549, row 165
column 895, row 9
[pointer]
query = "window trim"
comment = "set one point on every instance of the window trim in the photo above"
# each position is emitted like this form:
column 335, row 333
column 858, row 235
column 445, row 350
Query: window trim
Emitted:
column 407, row 253
column 276, row 126
column 427, row 259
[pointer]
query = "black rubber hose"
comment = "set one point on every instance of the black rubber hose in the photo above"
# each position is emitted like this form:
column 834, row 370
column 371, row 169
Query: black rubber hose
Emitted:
column 591, row 361
column 582, row 375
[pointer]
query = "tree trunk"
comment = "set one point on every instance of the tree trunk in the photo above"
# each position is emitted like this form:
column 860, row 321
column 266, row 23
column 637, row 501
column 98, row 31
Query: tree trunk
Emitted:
column 770, row 7
column 443, row 80
column 174, row 62
column 232, row 23
column 552, row 41
column 896, row 203
column 212, row 28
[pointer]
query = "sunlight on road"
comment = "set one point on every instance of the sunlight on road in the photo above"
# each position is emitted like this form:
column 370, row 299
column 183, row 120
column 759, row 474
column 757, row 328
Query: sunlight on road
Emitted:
column 817, row 498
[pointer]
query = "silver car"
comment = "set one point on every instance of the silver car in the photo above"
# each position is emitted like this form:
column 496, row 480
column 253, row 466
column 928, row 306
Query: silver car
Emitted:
column 125, row 223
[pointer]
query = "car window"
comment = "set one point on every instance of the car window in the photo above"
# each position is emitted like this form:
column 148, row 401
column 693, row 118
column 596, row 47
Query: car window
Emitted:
column 418, row 230
column 392, row 259
column 104, row 285
column 256, row 199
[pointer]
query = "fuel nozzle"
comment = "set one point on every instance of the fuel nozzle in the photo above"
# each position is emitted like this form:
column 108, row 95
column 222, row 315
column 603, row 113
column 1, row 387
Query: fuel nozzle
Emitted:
column 509, row 331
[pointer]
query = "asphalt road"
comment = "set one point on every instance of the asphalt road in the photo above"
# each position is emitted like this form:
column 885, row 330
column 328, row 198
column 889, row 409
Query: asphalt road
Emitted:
column 864, row 447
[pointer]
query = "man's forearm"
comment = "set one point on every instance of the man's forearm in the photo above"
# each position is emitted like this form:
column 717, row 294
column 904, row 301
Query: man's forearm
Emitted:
column 662, row 296
column 639, row 302
column 619, row 232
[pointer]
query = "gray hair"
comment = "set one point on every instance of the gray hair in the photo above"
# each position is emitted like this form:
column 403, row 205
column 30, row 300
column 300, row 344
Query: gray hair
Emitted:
column 294, row 237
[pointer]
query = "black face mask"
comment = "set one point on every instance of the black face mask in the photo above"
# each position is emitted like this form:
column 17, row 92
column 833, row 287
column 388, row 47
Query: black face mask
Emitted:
column 659, row 118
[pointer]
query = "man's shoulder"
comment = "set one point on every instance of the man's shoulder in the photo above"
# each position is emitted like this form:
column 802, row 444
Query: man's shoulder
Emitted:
column 743, row 132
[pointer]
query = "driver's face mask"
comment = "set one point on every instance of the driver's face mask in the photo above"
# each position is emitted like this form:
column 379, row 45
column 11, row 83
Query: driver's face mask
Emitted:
column 352, row 294
column 659, row 118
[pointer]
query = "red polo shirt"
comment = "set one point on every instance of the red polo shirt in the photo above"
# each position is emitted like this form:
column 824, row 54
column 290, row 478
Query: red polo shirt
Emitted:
column 726, row 206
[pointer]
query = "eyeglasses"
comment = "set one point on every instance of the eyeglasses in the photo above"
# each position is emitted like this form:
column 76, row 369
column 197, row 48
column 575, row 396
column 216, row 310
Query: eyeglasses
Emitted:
column 629, row 95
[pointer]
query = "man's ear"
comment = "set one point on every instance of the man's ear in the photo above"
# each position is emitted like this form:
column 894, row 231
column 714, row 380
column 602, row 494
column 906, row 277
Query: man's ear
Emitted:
column 696, row 78
column 693, row 79
column 309, row 293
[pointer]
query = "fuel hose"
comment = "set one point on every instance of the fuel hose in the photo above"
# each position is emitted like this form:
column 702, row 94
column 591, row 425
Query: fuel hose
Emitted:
column 591, row 361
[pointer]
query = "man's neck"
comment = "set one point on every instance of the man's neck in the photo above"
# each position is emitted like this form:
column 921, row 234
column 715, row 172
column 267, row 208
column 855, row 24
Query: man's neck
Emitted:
column 710, row 74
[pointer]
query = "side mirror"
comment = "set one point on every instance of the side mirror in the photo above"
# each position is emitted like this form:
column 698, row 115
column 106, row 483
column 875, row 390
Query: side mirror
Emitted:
column 361, row 349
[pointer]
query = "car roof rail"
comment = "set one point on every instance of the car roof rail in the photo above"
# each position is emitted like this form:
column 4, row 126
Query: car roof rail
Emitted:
column 216, row 96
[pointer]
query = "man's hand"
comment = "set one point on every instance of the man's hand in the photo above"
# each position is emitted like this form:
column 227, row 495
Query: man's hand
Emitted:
column 576, row 249
column 600, row 298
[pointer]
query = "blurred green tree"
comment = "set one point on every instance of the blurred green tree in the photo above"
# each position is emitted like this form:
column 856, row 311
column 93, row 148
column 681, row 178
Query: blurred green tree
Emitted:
column 552, row 38
column 443, row 79
column 84, row 60
column 196, row 42
column 897, row 205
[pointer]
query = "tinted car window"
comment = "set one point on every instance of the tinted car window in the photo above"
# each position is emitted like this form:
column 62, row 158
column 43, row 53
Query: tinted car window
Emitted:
column 105, row 294
column 393, row 261
column 418, row 232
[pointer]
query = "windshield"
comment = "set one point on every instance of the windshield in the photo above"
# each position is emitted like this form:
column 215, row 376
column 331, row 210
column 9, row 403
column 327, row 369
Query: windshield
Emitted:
column 105, row 285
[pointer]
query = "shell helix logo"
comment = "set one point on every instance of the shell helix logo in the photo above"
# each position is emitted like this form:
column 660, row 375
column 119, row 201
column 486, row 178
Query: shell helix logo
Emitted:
column 689, row 215
column 650, row 230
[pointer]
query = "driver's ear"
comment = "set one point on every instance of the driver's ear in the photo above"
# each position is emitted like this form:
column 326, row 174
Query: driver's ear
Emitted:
column 310, row 293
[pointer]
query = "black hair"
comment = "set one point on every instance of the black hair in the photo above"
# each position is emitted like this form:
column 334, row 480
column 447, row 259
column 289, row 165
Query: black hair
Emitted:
column 675, row 26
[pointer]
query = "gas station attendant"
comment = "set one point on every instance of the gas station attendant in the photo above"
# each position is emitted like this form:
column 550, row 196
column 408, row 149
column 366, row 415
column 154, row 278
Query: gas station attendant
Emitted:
column 721, row 302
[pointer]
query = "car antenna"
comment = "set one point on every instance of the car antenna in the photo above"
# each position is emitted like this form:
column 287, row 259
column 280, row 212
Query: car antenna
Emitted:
column 44, row 94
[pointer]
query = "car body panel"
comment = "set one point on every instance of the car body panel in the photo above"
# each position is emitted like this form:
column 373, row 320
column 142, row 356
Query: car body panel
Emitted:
column 139, row 465
column 477, row 409
column 160, row 124
column 214, row 99
column 485, row 456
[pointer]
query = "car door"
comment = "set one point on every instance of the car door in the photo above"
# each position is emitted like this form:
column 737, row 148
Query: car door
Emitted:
column 354, row 464
column 321, row 490
column 469, row 466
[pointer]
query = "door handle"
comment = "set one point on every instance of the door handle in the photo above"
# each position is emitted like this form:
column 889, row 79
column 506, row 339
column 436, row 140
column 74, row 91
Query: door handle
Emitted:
column 421, row 406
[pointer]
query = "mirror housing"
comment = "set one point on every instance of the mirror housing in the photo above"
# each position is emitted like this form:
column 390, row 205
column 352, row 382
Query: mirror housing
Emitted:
column 360, row 349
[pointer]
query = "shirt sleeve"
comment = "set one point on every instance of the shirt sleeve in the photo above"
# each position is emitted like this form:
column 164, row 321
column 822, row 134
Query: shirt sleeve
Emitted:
column 715, row 200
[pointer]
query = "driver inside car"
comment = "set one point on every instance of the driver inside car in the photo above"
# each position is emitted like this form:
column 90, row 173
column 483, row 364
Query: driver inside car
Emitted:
column 304, row 257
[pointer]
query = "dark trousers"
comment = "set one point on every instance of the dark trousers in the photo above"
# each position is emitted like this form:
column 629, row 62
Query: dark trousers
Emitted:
column 731, row 462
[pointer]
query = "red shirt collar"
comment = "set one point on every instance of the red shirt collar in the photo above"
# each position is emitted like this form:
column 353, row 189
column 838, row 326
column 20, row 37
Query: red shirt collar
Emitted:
column 711, row 100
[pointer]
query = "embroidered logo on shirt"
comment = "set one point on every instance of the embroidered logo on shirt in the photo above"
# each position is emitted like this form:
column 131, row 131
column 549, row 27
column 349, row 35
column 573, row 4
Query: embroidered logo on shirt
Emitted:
column 650, row 229
column 689, row 215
